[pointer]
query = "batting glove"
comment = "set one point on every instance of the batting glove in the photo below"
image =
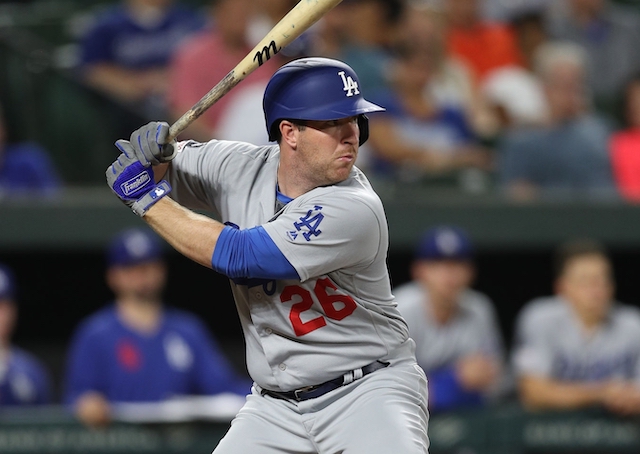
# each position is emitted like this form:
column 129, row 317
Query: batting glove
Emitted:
column 133, row 182
column 148, row 144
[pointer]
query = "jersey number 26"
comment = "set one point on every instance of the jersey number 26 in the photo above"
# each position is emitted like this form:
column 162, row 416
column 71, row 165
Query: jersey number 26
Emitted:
column 336, row 306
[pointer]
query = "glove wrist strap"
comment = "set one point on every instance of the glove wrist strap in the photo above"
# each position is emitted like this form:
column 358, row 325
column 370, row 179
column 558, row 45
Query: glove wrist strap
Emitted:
column 142, row 205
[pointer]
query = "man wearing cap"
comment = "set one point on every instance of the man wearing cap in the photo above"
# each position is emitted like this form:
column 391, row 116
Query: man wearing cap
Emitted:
column 23, row 379
column 303, row 237
column 458, row 342
column 136, row 350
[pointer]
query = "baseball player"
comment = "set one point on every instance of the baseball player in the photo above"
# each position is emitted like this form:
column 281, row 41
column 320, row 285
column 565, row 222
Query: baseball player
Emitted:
column 579, row 347
column 23, row 378
column 304, row 242
column 137, row 349
column 458, row 341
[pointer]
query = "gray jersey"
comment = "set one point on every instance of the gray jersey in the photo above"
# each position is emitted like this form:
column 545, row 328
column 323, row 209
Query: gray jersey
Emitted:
column 473, row 330
column 550, row 342
column 341, row 314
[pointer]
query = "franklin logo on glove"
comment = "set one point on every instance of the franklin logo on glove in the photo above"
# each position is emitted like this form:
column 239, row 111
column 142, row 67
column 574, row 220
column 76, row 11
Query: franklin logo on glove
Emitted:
column 134, row 184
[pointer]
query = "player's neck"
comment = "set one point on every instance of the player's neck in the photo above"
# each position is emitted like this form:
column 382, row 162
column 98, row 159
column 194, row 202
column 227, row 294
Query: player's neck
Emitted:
column 139, row 315
column 293, row 184
column 442, row 311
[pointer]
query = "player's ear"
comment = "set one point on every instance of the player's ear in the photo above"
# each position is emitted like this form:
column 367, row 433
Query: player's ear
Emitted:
column 288, row 132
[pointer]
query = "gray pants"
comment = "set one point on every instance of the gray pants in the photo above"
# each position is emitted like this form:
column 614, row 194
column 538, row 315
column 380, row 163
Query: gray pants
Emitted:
column 384, row 412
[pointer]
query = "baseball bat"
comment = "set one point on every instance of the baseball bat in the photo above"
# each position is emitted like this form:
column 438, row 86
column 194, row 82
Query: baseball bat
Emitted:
column 301, row 17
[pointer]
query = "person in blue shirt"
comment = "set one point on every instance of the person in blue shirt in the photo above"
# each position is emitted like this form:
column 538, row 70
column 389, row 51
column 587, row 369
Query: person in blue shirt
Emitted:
column 23, row 379
column 568, row 156
column 25, row 168
column 126, row 52
column 417, row 137
column 138, row 350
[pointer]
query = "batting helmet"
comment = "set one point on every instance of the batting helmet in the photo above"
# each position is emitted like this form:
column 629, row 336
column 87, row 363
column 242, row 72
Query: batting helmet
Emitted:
column 315, row 89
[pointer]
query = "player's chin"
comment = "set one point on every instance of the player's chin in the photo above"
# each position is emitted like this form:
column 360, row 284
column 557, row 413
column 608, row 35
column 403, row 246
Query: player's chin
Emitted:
column 342, row 171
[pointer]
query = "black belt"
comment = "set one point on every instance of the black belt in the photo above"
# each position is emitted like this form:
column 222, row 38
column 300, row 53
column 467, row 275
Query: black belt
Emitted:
column 311, row 392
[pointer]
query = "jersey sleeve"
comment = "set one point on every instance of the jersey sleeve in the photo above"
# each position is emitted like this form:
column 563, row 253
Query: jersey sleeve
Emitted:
column 532, row 354
column 83, row 371
column 321, row 236
column 212, row 373
column 96, row 44
column 42, row 381
column 202, row 172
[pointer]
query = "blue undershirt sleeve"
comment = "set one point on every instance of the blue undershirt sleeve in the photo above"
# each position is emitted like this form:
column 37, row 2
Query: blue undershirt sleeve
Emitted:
column 446, row 392
column 251, row 254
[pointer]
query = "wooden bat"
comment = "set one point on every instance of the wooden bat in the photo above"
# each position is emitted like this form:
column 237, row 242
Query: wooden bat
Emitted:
column 301, row 17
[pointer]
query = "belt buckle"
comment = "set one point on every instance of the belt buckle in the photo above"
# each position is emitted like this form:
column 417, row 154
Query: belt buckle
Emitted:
column 302, row 390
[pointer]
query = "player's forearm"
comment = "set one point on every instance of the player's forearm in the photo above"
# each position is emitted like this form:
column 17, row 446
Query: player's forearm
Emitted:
column 544, row 393
column 193, row 235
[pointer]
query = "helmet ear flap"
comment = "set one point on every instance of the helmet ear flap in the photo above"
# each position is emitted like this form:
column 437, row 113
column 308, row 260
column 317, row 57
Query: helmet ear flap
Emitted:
column 363, row 125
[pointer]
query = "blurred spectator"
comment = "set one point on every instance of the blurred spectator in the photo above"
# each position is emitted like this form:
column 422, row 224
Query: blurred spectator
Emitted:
column 136, row 350
column 458, row 342
column 610, row 33
column 579, row 348
column 625, row 145
column 569, row 155
column 23, row 379
column 331, row 32
column 204, row 60
column 484, row 46
column 515, row 92
column 502, row 11
column 371, row 25
column 269, row 13
column 25, row 168
column 451, row 83
column 126, row 52
column 243, row 119
column 416, row 137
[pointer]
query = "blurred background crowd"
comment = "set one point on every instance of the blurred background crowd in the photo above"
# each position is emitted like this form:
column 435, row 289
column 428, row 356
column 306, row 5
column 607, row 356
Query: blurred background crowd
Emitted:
column 527, row 100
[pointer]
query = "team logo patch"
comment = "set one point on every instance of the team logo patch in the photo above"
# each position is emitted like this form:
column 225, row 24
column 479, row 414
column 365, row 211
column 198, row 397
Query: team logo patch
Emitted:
column 350, row 85
column 308, row 226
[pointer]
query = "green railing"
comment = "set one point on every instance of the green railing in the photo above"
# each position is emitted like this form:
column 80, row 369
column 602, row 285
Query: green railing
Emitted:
column 503, row 430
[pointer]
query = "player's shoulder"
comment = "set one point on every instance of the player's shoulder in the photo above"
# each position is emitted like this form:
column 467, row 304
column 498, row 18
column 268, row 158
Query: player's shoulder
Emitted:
column 111, row 18
column 354, row 194
column 25, row 361
column 183, row 321
column 626, row 316
column 477, row 303
column 101, row 322
column 231, row 150
column 408, row 294
column 544, row 310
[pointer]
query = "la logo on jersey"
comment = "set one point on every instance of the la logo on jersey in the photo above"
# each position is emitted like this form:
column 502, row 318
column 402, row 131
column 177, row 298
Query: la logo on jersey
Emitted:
column 308, row 225
column 350, row 85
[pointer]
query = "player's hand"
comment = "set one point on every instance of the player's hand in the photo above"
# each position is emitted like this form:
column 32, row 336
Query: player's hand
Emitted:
column 93, row 410
column 134, row 182
column 477, row 372
column 148, row 145
column 621, row 397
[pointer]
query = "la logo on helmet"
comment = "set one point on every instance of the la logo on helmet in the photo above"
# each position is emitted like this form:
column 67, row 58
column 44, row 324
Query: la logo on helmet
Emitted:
column 350, row 85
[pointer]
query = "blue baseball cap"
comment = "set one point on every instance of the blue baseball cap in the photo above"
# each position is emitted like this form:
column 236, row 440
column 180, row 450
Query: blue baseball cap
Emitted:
column 444, row 243
column 133, row 247
column 7, row 283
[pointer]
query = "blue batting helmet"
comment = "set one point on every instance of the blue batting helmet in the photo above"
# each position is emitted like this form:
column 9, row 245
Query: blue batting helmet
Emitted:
column 315, row 89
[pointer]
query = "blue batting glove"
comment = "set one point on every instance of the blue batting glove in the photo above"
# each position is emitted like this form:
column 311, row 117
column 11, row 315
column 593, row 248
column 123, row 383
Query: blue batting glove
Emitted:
column 134, row 182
